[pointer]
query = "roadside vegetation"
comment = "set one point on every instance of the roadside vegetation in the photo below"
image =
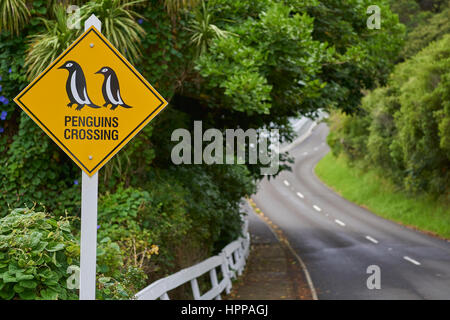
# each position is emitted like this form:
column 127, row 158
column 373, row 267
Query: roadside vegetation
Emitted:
column 398, row 142
column 367, row 188
column 231, row 64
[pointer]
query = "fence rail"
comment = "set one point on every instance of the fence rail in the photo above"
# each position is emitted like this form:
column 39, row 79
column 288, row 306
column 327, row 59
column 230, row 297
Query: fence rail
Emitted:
column 231, row 262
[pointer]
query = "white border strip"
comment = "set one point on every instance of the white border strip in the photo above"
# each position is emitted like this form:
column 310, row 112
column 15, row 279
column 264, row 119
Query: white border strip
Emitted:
column 417, row 263
column 372, row 239
column 302, row 264
column 300, row 139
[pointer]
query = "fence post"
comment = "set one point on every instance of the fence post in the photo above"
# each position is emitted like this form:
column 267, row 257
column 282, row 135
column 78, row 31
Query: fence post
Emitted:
column 214, row 281
column 195, row 289
column 232, row 262
column 165, row 296
column 225, row 272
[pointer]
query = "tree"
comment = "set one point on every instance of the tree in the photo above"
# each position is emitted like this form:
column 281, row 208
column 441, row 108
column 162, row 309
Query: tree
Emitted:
column 363, row 58
column 404, row 127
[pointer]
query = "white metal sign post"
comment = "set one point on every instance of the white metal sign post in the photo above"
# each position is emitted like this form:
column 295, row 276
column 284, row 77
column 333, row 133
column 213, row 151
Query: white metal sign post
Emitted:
column 89, row 189
column 89, row 192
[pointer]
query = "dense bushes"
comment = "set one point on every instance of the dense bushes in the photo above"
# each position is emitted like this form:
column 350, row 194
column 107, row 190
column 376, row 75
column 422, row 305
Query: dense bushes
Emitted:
column 425, row 21
column 137, row 233
column 430, row 29
column 35, row 251
column 404, row 128
column 141, row 222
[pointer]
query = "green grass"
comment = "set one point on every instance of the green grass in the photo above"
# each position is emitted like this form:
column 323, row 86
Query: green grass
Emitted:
column 369, row 190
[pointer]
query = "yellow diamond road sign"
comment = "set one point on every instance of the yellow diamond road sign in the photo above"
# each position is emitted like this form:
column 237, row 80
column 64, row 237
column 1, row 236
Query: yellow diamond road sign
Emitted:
column 91, row 101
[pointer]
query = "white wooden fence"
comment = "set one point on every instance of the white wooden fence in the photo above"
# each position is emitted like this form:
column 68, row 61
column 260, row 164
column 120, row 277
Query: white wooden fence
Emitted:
column 231, row 261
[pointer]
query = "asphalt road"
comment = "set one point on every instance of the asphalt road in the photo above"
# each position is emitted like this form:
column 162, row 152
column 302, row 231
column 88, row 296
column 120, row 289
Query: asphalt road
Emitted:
column 339, row 240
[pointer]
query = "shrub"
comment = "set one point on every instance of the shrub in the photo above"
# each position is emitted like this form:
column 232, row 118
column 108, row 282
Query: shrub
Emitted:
column 136, row 225
column 35, row 251
column 403, row 128
column 431, row 29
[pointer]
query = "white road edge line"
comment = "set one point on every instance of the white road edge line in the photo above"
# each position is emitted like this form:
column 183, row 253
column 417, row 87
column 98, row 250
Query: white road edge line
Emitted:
column 300, row 139
column 339, row 222
column 302, row 264
column 372, row 239
column 286, row 183
column 300, row 195
column 317, row 208
column 417, row 263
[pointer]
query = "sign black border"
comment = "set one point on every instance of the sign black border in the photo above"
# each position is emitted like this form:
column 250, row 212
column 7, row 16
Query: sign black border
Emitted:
column 51, row 133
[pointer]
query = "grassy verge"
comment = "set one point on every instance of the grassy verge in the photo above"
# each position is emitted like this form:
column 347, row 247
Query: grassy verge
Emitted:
column 367, row 189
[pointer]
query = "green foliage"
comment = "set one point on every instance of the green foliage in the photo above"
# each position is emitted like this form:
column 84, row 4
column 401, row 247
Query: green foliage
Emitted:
column 35, row 251
column 363, row 58
column 174, row 7
column 14, row 14
column 141, row 223
column 405, row 126
column 430, row 29
column 367, row 187
column 236, row 75
column 272, row 62
column 409, row 12
column 119, row 24
column 44, row 47
column 34, row 170
column 134, row 279
column 348, row 134
column 202, row 28
column 12, row 80
column 214, row 213
column 167, row 62
column 424, row 109
column 425, row 21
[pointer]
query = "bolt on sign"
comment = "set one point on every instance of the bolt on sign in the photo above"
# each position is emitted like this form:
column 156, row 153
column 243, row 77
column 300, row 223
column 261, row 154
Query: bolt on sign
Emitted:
column 91, row 101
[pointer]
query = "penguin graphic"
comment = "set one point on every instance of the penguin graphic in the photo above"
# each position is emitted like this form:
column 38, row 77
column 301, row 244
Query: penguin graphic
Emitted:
column 76, row 86
column 111, row 90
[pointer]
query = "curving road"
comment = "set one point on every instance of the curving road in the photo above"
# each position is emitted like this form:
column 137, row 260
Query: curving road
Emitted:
column 338, row 240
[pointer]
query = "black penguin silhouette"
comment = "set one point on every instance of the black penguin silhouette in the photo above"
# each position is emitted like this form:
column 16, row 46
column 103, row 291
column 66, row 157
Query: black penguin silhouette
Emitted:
column 76, row 86
column 111, row 90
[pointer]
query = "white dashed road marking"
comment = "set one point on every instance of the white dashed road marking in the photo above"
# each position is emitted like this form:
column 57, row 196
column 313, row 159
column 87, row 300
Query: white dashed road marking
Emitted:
column 305, row 153
column 317, row 208
column 286, row 183
column 371, row 239
column 417, row 263
column 300, row 195
column 339, row 222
